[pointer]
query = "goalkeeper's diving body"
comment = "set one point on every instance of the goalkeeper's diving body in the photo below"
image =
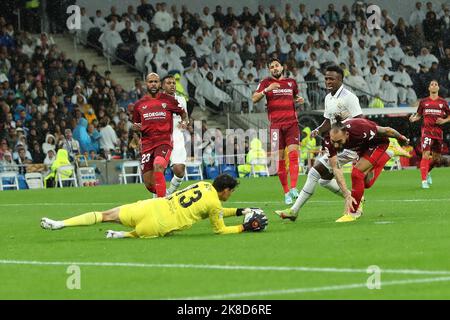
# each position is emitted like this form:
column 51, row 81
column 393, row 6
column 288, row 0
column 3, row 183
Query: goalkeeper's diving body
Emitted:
column 162, row 216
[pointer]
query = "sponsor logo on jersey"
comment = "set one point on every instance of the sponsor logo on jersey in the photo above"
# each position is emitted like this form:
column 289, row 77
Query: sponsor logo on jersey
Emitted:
column 282, row 91
column 154, row 115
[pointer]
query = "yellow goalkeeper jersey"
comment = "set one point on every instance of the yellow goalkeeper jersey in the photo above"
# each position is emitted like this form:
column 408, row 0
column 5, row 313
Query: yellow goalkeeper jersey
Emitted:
column 179, row 211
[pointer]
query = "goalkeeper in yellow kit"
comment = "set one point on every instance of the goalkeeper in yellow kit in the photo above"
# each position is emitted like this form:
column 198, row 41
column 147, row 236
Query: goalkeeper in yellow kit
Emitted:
column 161, row 216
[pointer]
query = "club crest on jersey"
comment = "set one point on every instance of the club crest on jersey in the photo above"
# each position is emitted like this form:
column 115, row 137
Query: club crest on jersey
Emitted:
column 164, row 105
column 441, row 105
column 289, row 84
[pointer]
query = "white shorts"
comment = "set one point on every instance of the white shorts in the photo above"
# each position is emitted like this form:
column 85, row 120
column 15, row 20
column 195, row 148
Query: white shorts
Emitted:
column 179, row 154
column 344, row 157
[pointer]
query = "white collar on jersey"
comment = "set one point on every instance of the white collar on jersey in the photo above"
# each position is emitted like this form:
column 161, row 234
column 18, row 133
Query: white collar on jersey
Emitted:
column 337, row 94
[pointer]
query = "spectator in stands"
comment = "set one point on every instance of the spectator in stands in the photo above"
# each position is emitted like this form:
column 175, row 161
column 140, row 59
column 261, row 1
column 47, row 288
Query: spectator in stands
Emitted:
column 99, row 21
column 146, row 10
column 70, row 144
column 426, row 58
column 417, row 16
column 388, row 92
column 162, row 19
column 37, row 154
column 8, row 164
column 108, row 140
column 50, row 143
column 404, row 84
column 23, row 159
column 431, row 27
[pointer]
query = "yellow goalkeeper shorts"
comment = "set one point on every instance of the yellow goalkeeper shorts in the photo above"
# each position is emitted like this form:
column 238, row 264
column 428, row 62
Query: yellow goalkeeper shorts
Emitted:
column 143, row 217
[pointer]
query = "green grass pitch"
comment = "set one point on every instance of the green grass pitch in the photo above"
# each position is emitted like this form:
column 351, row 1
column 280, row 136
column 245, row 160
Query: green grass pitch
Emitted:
column 405, row 231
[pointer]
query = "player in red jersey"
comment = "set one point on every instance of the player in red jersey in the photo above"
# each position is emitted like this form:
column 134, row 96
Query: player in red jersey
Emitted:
column 153, row 116
column 281, row 94
column 370, row 142
column 435, row 113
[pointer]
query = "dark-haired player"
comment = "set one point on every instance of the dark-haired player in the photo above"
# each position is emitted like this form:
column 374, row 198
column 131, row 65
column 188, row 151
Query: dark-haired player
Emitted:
column 161, row 216
column 153, row 116
column 435, row 113
column 339, row 102
column 281, row 94
column 370, row 143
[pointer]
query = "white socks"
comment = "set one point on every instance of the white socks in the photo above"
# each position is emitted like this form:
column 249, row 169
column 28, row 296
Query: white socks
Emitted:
column 174, row 184
column 307, row 191
column 331, row 185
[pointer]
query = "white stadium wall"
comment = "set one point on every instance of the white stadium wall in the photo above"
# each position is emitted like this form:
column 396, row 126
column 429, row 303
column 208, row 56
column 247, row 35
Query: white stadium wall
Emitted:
column 396, row 8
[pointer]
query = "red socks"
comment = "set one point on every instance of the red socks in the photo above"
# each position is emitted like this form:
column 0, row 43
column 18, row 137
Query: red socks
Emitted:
column 424, row 168
column 293, row 168
column 282, row 175
column 357, row 187
column 160, row 184
column 377, row 170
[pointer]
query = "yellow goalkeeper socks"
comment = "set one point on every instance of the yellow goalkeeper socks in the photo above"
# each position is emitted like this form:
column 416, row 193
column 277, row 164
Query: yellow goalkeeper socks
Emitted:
column 85, row 219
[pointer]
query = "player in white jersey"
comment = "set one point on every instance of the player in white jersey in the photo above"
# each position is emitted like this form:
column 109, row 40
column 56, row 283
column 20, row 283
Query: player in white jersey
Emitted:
column 338, row 102
column 178, row 156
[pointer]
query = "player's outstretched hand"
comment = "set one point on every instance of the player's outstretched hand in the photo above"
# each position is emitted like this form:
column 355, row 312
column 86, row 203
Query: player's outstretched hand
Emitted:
column 256, row 222
column 136, row 126
column 300, row 100
column 314, row 133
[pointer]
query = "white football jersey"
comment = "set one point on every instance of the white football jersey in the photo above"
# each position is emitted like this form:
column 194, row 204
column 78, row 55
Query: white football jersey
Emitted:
column 344, row 104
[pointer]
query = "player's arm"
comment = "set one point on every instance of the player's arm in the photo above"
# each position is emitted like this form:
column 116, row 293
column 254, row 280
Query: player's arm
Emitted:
column 216, row 218
column 441, row 121
column 338, row 174
column 136, row 119
column 262, row 90
column 415, row 117
column 391, row 133
column 324, row 127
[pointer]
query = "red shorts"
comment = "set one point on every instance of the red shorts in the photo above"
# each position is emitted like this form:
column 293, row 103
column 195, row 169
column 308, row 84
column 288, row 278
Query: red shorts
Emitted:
column 374, row 154
column 431, row 144
column 149, row 156
column 284, row 136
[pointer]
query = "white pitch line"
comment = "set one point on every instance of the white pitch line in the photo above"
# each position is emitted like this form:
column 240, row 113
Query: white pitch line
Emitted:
column 306, row 290
column 221, row 267
column 230, row 202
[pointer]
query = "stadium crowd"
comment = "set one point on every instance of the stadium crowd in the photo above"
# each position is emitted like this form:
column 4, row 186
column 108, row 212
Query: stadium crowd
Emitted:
column 49, row 101
column 386, row 67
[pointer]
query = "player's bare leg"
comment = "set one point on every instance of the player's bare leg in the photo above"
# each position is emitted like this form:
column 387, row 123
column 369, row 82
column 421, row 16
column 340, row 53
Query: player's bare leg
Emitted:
column 178, row 177
column 425, row 168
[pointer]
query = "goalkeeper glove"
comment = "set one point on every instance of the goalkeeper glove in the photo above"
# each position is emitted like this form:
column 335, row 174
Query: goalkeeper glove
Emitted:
column 257, row 222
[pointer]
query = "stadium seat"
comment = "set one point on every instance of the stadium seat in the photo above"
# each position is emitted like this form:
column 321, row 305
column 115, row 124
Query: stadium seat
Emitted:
column 9, row 181
column 136, row 172
column 212, row 172
column 168, row 174
column 259, row 167
column 34, row 180
column 229, row 169
column 193, row 170
column 61, row 178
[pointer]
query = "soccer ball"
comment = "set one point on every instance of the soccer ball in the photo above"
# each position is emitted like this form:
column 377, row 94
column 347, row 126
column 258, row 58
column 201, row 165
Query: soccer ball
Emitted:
column 249, row 212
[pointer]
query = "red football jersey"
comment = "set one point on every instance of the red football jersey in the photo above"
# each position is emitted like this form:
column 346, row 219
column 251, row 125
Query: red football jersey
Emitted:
column 156, row 117
column 280, row 102
column 430, row 110
column 362, row 136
